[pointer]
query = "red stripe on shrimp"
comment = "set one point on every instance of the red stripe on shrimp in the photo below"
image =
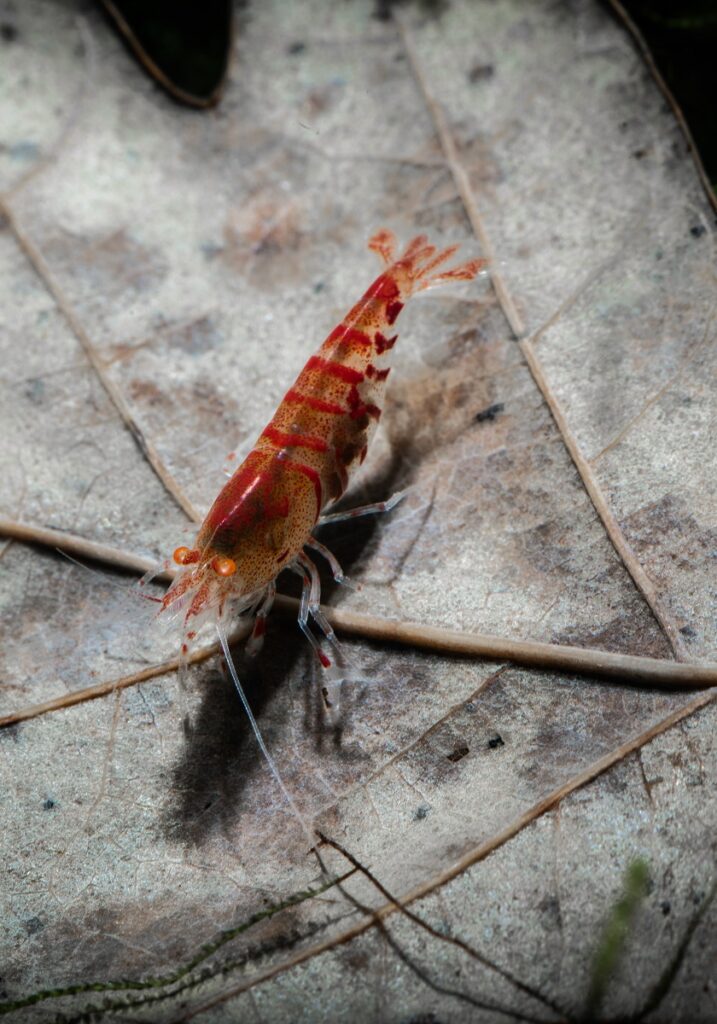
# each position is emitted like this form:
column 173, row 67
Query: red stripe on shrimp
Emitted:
column 282, row 440
column 314, row 403
column 338, row 370
column 359, row 408
column 373, row 374
column 384, row 344
column 351, row 335
column 384, row 287
column 392, row 311
column 249, row 492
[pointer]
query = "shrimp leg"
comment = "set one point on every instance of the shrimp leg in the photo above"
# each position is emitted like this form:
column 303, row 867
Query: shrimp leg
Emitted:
column 315, row 603
column 304, row 612
column 336, row 570
column 256, row 640
column 363, row 510
column 310, row 606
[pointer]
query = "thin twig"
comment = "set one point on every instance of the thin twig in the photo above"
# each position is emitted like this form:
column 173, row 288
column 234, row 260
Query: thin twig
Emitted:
column 467, row 194
column 631, row 669
column 80, row 547
column 117, row 398
column 376, row 920
column 68, row 700
column 626, row 668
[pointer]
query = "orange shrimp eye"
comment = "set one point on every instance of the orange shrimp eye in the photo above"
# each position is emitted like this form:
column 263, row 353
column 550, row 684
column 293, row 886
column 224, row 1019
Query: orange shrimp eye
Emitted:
column 184, row 556
column 224, row 566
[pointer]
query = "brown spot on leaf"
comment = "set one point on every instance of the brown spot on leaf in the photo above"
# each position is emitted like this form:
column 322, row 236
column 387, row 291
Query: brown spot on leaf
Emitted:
column 626, row 633
column 318, row 100
column 263, row 239
column 196, row 337
column 480, row 73
column 666, row 536
column 146, row 392
column 114, row 265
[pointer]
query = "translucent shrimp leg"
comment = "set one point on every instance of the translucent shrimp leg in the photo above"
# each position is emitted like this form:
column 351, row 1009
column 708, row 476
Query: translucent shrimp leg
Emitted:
column 363, row 510
column 256, row 640
column 315, row 603
column 155, row 571
column 304, row 613
column 310, row 606
column 336, row 570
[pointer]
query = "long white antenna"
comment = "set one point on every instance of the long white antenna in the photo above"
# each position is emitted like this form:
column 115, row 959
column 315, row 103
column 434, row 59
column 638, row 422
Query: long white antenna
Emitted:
column 260, row 739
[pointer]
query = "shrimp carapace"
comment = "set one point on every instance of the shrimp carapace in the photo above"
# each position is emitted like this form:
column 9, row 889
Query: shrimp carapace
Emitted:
column 302, row 461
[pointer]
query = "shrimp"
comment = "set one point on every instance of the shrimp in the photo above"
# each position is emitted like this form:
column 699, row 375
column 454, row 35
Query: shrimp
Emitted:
column 263, row 519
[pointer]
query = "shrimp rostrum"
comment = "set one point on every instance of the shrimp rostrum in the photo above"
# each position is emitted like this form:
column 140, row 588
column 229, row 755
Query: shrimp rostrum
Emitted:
column 263, row 519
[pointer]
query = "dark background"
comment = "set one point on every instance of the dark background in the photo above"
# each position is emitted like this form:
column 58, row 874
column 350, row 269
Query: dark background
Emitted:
column 682, row 36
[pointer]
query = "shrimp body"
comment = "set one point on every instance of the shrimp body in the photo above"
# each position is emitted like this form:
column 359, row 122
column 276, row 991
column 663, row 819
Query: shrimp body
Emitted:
column 305, row 457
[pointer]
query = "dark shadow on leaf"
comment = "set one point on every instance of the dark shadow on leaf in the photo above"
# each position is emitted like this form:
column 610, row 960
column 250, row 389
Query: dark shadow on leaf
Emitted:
column 220, row 756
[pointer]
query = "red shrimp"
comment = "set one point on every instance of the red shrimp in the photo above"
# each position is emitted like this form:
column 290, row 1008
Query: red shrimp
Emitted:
column 263, row 519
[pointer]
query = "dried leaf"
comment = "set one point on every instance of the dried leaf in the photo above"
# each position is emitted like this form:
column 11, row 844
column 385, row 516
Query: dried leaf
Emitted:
column 199, row 261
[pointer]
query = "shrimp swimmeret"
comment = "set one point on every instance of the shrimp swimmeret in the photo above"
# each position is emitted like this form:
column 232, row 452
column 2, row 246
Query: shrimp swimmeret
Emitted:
column 263, row 519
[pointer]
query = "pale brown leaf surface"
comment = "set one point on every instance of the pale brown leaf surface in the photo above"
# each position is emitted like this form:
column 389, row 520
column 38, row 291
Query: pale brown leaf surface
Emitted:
column 204, row 257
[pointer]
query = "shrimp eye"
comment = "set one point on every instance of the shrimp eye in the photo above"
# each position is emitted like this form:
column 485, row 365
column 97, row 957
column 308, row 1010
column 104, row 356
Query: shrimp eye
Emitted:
column 224, row 566
column 184, row 556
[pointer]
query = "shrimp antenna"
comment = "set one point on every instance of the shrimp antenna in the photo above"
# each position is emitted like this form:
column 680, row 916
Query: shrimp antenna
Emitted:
column 130, row 590
column 260, row 740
